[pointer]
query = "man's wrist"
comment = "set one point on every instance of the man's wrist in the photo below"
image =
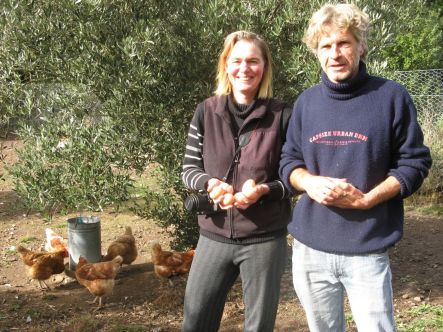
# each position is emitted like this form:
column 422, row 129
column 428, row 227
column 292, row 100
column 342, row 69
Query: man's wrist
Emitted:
column 298, row 178
column 304, row 178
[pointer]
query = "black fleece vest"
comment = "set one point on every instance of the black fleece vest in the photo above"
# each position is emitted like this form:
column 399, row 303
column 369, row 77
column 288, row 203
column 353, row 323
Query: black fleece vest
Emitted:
column 258, row 160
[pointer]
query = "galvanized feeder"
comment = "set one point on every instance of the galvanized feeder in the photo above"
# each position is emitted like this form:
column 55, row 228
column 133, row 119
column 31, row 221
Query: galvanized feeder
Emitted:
column 84, row 236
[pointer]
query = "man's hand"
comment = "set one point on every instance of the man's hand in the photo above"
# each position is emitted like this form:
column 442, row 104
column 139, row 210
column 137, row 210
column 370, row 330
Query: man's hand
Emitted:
column 331, row 191
column 340, row 193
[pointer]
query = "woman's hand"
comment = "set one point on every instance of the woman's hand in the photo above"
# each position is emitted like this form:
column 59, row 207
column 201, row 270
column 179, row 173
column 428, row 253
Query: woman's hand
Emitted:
column 250, row 194
column 221, row 193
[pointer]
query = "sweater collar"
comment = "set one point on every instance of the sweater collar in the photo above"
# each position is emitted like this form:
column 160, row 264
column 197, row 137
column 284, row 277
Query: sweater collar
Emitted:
column 258, row 111
column 240, row 110
column 347, row 89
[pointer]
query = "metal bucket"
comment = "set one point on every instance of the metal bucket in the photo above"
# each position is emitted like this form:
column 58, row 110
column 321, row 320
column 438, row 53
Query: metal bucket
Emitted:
column 84, row 240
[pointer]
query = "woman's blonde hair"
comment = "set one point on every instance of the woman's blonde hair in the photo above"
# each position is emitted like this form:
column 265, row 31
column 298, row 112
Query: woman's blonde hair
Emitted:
column 223, row 84
column 345, row 17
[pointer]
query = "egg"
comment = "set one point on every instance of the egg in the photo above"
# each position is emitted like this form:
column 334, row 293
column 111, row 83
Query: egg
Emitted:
column 227, row 188
column 216, row 192
column 228, row 199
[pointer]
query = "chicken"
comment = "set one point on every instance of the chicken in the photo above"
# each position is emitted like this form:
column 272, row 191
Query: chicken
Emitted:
column 98, row 278
column 170, row 263
column 42, row 265
column 55, row 242
column 123, row 246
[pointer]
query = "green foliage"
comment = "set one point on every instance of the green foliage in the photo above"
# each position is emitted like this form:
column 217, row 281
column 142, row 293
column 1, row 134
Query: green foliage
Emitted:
column 404, row 35
column 419, row 45
column 165, row 205
column 182, row 226
column 425, row 317
column 69, row 160
column 99, row 89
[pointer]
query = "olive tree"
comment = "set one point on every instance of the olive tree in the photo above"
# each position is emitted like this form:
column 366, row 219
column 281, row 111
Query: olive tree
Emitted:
column 100, row 89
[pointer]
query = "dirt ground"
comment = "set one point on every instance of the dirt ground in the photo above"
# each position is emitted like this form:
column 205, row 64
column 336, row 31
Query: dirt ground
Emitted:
column 143, row 302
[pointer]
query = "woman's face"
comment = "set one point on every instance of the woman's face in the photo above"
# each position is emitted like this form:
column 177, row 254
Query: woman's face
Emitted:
column 245, row 66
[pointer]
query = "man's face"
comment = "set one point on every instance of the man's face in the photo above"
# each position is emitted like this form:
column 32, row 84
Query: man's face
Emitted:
column 339, row 54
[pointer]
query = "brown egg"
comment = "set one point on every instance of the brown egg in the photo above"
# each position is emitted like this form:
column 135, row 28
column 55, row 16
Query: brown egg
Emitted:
column 228, row 199
column 227, row 188
column 216, row 192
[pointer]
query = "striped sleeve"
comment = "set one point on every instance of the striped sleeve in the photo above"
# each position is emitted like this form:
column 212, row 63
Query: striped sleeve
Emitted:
column 193, row 174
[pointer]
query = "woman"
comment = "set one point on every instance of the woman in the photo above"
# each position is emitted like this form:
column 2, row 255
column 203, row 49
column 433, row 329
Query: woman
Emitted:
column 246, row 236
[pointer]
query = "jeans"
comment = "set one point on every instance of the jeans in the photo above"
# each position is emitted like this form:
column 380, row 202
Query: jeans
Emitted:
column 321, row 278
column 214, row 270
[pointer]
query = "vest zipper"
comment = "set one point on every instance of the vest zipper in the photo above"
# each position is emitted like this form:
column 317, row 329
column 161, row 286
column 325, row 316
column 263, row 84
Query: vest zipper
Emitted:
column 234, row 178
column 235, row 169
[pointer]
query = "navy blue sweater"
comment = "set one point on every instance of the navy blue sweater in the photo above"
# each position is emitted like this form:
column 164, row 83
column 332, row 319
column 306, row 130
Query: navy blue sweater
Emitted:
column 363, row 130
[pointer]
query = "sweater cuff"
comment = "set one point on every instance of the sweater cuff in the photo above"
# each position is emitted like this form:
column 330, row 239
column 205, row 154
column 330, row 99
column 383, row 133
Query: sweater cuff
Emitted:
column 276, row 190
column 408, row 184
column 202, row 182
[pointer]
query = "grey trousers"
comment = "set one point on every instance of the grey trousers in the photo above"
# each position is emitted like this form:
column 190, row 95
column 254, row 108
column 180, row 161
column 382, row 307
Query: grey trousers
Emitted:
column 214, row 270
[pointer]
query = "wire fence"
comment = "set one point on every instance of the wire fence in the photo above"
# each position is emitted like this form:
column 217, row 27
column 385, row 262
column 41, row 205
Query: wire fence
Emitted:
column 426, row 89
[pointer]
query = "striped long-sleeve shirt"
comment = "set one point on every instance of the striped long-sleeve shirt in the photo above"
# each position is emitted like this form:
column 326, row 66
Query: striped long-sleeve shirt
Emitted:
column 193, row 175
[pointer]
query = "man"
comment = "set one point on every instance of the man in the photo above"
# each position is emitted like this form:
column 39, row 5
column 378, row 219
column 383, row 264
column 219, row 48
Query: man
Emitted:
column 354, row 150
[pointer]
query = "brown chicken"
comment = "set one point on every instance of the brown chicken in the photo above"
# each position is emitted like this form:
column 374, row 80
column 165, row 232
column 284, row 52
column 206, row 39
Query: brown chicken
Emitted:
column 170, row 263
column 123, row 246
column 42, row 265
column 98, row 278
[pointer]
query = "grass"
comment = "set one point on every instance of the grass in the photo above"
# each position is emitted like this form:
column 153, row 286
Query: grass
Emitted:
column 33, row 313
column 60, row 226
column 434, row 210
column 14, row 307
column 28, row 239
column 89, row 323
column 11, row 251
column 126, row 328
column 349, row 320
column 425, row 204
column 422, row 318
column 85, row 323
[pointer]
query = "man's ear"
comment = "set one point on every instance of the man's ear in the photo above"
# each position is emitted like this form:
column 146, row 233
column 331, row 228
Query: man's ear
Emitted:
column 361, row 49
